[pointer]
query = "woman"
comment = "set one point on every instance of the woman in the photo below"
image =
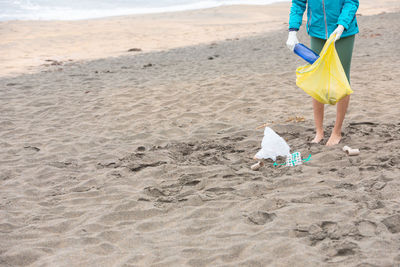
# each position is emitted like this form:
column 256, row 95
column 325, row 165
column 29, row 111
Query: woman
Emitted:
column 326, row 17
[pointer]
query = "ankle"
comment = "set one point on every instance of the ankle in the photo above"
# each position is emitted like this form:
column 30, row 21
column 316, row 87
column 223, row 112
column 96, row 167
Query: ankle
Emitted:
column 337, row 132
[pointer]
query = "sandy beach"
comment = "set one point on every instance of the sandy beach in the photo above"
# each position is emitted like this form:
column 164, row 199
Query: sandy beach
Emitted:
column 143, row 158
column 31, row 46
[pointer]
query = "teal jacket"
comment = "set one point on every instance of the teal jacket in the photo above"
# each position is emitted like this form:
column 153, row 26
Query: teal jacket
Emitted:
column 323, row 16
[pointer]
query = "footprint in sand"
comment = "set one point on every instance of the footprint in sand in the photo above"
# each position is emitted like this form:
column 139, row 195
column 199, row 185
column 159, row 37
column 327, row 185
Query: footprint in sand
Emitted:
column 343, row 249
column 392, row 223
column 366, row 228
column 261, row 217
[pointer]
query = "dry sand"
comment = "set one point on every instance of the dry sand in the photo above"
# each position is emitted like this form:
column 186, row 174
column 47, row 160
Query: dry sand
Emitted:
column 143, row 160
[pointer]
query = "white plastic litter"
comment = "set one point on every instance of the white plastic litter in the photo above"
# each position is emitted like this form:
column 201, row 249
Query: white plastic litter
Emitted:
column 351, row 151
column 272, row 146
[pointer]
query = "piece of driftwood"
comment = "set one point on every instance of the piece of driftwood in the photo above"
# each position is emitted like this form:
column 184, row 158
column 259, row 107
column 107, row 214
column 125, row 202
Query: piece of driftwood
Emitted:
column 257, row 166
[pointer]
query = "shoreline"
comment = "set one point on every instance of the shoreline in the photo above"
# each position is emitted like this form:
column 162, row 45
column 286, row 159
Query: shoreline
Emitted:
column 53, row 43
column 143, row 11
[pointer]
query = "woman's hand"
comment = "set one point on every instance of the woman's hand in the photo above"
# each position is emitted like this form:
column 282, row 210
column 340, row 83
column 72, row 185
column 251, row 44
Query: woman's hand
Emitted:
column 339, row 30
column 292, row 40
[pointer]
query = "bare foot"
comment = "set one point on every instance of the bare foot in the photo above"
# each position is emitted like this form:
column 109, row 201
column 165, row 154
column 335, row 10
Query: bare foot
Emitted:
column 318, row 137
column 334, row 139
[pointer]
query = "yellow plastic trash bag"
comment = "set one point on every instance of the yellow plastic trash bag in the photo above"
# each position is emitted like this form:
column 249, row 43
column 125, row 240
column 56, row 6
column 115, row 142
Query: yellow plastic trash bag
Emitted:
column 324, row 80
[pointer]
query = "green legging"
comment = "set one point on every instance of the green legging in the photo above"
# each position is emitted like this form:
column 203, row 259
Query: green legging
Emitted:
column 344, row 47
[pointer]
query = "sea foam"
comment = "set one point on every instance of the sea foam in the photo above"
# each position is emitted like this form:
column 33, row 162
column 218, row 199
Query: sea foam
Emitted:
column 88, row 9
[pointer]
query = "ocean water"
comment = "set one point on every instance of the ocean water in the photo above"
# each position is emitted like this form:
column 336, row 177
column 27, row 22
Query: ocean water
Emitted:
column 86, row 9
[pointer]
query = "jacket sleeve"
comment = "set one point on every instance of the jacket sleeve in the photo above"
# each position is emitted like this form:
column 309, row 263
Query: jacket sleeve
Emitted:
column 348, row 12
column 296, row 13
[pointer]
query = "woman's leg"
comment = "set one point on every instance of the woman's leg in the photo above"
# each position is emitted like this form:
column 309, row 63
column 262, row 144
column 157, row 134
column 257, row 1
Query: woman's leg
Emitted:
column 344, row 48
column 341, row 109
column 317, row 45
column 318, row 120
